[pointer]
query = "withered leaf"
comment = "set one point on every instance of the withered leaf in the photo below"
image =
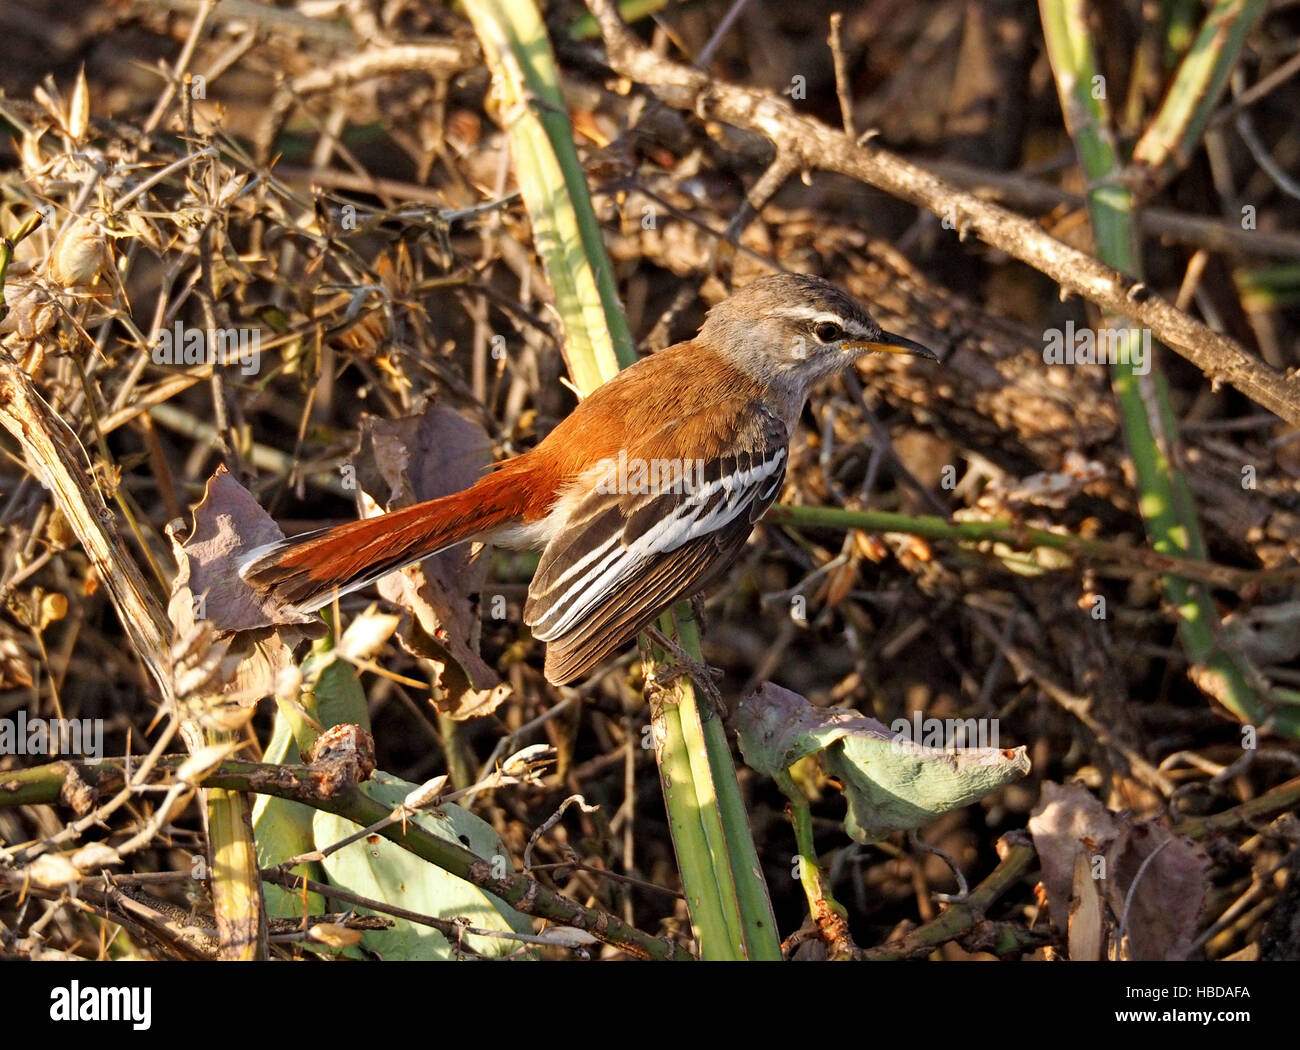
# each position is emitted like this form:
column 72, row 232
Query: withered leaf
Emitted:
column 228, row 522
column 232, row 645
column 421, row 457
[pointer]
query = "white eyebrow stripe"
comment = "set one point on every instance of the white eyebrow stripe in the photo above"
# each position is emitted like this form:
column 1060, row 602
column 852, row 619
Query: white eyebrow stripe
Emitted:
column 808, row 313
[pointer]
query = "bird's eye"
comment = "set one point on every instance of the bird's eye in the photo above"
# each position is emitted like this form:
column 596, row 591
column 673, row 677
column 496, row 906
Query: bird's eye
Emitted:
column 827, row 331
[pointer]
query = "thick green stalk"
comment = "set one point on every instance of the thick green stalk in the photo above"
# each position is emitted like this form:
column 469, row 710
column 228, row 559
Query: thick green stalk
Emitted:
column 738, row 867
column 235, row 876
column 690, row 797
column 1150, row 429
column 1175, row 133
column 1082, row 92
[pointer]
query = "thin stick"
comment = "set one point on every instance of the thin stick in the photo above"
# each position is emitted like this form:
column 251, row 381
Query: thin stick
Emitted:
column 842, row 88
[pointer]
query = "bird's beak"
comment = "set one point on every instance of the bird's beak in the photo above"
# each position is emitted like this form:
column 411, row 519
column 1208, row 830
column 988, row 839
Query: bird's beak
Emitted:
column 888, row 343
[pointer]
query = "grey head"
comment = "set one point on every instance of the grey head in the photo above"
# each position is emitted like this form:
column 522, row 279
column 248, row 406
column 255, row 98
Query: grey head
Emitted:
column 790, row 331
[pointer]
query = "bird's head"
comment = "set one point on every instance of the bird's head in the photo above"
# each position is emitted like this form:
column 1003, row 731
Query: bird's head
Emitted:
column 791, row 331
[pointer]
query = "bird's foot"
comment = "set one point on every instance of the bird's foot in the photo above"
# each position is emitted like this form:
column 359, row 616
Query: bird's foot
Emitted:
column 683, row 665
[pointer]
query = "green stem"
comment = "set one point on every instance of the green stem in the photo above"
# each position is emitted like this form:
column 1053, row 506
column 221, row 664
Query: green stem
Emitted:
column 731, row 912
column 1150, row 429
column 696, row 828
column 236, row 879
column 1122, row 559
column 554, row 188
column 827, row 912
column 1175, row 133
column 742, row 870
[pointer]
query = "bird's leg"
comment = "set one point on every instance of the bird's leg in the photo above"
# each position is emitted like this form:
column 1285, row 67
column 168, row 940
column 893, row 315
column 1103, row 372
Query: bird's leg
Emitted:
column 962, row 889
column 684, row 664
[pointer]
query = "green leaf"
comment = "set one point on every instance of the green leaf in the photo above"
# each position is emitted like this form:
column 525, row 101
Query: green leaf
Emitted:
column 340, row 700
column 283, row 829
column 896, row 785
column 382, row 870
column 891, row 783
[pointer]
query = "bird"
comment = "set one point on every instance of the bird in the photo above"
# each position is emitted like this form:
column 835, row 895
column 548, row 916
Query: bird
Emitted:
column 642, row 496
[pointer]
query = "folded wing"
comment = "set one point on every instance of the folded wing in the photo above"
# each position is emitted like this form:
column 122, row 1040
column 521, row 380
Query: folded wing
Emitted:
column 626, row 556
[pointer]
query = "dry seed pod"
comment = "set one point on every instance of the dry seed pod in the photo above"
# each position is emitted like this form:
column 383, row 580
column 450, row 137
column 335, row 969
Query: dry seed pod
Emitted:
column 52, row 870
column 869, row 546
column 79, row 108
column 334, row 935
column 79, row 255
column 840, row 581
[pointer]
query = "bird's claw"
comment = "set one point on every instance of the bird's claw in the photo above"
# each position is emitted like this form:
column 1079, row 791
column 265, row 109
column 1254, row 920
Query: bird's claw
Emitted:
column 683, row 665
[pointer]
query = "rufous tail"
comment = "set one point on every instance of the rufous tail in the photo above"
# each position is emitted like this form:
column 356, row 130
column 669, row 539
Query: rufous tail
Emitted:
column 307, row 571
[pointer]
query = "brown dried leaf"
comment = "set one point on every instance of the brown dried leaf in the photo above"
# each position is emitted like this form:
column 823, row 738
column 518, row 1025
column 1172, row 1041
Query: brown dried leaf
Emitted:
column 1069, row 824
column 233, row 646
column 265, row 657
column 1065, row 816
column 1167, row 901
column 433, row 453
column 227, row 523
column 461, row 698
column 406, row 461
